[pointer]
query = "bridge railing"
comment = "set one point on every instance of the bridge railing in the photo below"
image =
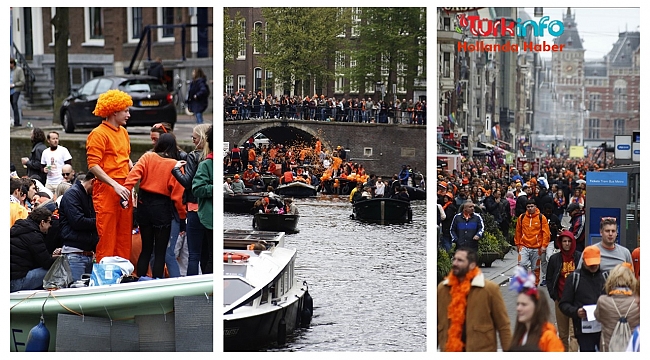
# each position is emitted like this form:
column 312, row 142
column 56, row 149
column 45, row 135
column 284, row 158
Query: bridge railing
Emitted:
column 234, row 112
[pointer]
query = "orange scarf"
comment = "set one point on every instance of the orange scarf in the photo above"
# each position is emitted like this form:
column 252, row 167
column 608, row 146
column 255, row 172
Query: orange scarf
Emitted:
column 457, row 309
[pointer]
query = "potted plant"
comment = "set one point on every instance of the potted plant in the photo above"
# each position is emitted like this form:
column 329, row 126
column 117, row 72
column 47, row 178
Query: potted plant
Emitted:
column 444, row 264
column 489, row 249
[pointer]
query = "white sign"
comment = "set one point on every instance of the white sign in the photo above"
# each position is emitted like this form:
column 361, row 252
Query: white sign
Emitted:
column 623, row 147
column 488, row 123
column 226, row 148
column 636, row 151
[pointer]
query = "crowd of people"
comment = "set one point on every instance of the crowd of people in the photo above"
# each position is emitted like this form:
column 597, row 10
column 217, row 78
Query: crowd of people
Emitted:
column 602, row 279
column 89, row 216
column 245, row 106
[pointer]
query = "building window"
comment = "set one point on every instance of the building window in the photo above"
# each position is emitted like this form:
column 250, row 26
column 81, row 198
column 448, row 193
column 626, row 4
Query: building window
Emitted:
column 619, row 127
column 229, row 84
column 568, row 101
column 165, row 16
column 356, row 20
column 341, row 12
column 269, row 82
column 367, row 151
column 257, row 28
column 241, row 82
column 594, row 129
column 446, row 24
column 338, row 85
column 620, row 96
column 241, row 55
column 594, row 102
column 446, row 65
column 339, row 63
column 94, row 27
column 258, row 80
column 134, row 24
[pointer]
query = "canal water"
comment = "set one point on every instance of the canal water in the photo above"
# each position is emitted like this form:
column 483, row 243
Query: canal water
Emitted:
column 368, row 281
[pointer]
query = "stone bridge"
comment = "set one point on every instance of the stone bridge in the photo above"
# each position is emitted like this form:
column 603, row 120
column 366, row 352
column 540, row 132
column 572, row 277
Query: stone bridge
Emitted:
column 381, row 148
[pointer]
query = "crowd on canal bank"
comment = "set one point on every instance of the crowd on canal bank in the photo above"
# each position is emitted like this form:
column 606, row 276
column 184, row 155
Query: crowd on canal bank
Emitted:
column 601, row 279
column 134, row 209
column 245, row 106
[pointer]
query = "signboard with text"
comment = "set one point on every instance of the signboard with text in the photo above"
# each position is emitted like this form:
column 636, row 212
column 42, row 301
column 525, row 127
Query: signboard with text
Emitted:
column 623, row 147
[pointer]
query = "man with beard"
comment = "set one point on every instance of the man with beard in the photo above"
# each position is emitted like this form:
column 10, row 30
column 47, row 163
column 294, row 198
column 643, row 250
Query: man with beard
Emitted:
column 53, row 159
column 611, row 253
column 560, row 266
column 471, row 309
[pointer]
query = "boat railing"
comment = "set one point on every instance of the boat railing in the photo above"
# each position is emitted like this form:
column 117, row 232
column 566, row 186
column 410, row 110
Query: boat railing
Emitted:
column 240, row 239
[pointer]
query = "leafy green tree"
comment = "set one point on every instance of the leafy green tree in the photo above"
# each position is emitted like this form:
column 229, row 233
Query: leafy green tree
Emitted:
column 388, row 39
column 232, row 37
column 299, row 45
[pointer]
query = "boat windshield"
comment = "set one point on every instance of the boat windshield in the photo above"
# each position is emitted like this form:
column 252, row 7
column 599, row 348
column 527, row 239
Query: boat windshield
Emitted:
column 234, row 289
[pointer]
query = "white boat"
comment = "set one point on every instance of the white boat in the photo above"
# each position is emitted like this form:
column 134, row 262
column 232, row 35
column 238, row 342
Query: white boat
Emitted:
column 263, row 300
column 118, row 302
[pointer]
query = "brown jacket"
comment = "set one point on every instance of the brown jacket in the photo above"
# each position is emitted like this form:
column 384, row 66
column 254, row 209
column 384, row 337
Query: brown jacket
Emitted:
column 608, row 317
column 486, row 314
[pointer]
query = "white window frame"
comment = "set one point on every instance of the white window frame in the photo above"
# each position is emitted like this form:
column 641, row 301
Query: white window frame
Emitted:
column 339, row 84
column 88, row 41
column 241, row 79
column 241, row 54
column 159, row 31
column 129, row 26
column 367, row 151
column 255, row 30
column 356, row 21
column 228, row 84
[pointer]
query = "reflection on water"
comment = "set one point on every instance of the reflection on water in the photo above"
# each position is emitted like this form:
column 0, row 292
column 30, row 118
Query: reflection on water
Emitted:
column 368, row 281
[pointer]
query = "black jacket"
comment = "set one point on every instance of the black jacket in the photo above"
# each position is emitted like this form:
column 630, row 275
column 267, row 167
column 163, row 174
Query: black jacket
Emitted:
column 156, row 70
column 34, row 163
column 450, row 212
column 185, row 179
column 77, row 219
column 553, row 271
column 590, row 287
column 198, row 87
column 27, row 249
column 499, row 210
column 520, row 206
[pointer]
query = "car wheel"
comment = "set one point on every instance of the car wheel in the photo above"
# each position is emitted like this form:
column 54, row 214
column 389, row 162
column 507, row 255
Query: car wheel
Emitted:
column 68, row 125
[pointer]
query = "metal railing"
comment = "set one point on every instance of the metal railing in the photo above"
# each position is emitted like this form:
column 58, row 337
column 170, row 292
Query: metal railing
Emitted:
column 146, row 42
column 29, row 73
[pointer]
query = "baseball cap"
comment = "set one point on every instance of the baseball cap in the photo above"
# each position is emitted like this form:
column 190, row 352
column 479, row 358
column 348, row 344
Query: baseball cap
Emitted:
column 591, row 255
column 449, row 195
column 236, row 176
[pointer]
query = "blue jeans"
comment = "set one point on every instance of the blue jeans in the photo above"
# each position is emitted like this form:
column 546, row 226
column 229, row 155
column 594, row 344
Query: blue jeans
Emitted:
column 32, row 281
column 199, row 117
column 80, row 264
column 170, row 257
column 446, row 242
column 195, row 232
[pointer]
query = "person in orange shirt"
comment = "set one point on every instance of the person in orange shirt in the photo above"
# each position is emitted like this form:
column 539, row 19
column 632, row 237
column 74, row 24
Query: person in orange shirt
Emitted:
column 533, row 328
column 251, row 156
column 159, row 193
column 107, row 149
column 248, row 176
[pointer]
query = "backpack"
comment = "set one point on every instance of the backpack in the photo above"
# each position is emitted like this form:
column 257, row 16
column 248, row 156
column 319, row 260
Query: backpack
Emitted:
column 622, row 333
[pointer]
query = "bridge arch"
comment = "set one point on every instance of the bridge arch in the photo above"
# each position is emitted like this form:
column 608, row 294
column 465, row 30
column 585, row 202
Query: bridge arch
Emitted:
column 287, row 134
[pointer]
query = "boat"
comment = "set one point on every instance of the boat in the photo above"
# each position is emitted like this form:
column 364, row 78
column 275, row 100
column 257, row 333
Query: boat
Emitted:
column 243, row 203
column 276, row 222
column 115, row 302
column 416, row 193
column 264, row 302
column 296, row 189
column 382, row 210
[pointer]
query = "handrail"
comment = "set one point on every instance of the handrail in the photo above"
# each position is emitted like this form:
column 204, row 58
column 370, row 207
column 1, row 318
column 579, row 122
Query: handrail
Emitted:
column 146, row 35
column 29, row 73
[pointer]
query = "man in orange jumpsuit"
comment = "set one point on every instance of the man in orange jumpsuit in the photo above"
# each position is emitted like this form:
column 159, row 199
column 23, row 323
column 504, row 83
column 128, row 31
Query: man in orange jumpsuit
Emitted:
column 108, row 148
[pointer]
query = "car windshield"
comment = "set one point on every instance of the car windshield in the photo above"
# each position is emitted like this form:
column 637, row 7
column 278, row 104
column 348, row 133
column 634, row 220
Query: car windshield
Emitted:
column 143, row 85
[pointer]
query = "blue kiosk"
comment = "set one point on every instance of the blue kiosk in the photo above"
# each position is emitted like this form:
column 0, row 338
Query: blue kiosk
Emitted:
column 614, row 193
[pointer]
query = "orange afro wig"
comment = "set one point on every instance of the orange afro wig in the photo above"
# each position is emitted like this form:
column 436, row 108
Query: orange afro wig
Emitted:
column 111, row 102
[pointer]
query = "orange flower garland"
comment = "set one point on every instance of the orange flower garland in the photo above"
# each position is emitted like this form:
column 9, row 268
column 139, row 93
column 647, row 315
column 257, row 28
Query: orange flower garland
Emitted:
column 111, row 102
column 457, row 308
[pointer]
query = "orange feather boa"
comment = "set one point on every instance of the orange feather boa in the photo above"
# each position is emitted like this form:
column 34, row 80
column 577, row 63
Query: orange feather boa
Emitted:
column 456, row 310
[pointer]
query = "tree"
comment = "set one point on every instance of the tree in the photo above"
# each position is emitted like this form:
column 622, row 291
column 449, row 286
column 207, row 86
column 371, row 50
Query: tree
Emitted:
column 61, row 72
column 232, row 38
column 299, row 45
column 391, row 44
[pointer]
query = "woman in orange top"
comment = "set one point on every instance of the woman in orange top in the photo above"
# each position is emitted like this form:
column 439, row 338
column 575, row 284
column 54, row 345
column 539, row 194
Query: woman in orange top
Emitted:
column 533, row 327
column 158, row 194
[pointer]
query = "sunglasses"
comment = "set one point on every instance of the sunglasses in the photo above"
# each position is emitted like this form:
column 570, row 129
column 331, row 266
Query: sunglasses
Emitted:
column 66, row 174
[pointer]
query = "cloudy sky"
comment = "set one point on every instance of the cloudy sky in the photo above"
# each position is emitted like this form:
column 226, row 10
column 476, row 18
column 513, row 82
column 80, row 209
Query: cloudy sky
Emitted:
column 598, row 27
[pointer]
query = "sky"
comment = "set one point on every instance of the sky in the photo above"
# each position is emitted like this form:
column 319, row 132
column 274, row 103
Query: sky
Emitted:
column 598, row 27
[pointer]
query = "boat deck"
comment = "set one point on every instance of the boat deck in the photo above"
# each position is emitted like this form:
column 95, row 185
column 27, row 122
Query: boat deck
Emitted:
column 240, row 239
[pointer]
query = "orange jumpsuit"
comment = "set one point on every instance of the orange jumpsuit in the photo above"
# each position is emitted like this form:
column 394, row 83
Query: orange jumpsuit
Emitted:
column 110, row 147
